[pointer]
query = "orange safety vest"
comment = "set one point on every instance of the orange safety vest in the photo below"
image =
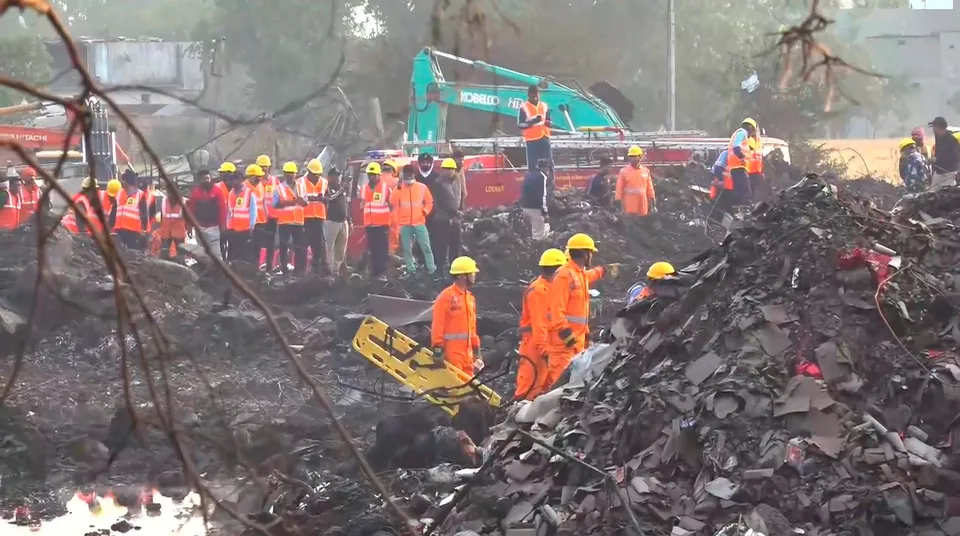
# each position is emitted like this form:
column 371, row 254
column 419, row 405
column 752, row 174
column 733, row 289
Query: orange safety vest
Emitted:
column 172, row 224
column 29, row 197
column 69, row 220
column 412, row 203
column 315, row 209
column 540, row 130
column 734, row 161
column 223, row 188
column 238, row 210
column 128, row 212
column 259, row 191
column 289, row 215
column 376, row 204
column 727, row 184
column 754, row 163
column 10, row 213
column 269, row 185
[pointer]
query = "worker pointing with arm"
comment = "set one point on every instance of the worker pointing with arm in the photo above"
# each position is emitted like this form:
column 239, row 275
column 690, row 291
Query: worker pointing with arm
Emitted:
column 568, row 312
column 453, row 333
column 533, row 370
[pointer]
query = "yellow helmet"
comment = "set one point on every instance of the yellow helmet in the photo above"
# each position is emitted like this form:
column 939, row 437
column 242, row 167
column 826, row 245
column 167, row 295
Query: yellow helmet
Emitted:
column 263, row 161
column 315, row 166
column 660, row 270
column 906, row 142
column 552, row 257
column 113, row 187
column 581, row 241
column 373, row 168
column 463, row 265
column 89, row 182
column 391, row 163
column 448, row 163
column 635, row 151
column 254, row 170
column 750, row 121
column 228, row 167
column 289, row 167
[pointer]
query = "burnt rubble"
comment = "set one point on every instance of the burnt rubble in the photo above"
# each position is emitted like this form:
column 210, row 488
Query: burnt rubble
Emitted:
column 806, row 380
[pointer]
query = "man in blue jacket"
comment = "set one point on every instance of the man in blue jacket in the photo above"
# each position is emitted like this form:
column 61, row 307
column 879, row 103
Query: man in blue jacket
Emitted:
column 535, row 196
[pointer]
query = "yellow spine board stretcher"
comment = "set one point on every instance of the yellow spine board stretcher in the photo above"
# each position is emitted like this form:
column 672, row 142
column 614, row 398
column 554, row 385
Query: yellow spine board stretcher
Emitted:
column 413, row 365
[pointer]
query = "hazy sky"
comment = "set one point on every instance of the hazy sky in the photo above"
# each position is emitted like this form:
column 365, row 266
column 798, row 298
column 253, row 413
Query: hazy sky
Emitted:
column 932, row 4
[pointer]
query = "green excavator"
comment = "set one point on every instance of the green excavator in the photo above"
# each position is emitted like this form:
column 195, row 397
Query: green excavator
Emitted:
column 573, row 109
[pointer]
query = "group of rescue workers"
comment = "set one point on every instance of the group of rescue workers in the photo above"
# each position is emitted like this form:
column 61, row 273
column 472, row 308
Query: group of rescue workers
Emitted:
column 924, row 168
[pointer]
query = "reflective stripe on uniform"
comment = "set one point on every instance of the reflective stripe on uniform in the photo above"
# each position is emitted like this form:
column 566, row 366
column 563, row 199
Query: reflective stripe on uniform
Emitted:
column 576, row 319
column 456, row 336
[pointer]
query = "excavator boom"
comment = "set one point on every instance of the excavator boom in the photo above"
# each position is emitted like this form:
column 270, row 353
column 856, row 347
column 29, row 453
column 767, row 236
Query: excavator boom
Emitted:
column 572, row 110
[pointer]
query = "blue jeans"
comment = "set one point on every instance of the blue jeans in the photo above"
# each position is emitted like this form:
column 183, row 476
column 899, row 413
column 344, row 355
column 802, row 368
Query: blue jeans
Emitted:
column 536, row 150
column 409, row 233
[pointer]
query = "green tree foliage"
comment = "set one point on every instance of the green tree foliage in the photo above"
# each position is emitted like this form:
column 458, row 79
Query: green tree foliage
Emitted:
column 22, row 57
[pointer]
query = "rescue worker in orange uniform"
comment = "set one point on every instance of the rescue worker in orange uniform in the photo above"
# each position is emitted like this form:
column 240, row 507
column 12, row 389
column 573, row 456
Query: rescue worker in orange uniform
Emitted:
column 390, row 174
column 243, row 208
column 87, row 222
column 660, row 277
column 754, row 167
column 411, row 202
column 314, row 187
column 132, row 214
column 635, row 186
column 453, row 333
column 375, row 199
column 533, row 369
column 265, row 236
column 173, row 227
column 29, row 194
column 738, row 152
column 568, row 312
column 289, row 200
column 9, row 206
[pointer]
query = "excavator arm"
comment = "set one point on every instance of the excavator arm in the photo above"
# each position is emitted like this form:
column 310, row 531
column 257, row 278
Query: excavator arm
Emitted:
column 571, row 109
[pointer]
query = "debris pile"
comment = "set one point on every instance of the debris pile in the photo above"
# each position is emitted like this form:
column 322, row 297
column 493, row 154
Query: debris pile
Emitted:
column 807, row 379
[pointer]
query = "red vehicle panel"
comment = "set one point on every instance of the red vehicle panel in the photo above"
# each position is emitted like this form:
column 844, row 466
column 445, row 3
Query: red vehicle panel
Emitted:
column 38, row 138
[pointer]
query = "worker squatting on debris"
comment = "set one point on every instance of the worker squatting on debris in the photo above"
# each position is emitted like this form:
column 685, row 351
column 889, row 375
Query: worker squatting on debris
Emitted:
column 534, row 122
column 411, row 203
column 569, row 304
column 913, row 168
column 599, row 190
column 945, row 158
column 453, row 332
column 635, row 186
column 375, row 199
column 535, row 199
column 533, row 369
column 208, row 204
column 738, row 153
column 660, row 278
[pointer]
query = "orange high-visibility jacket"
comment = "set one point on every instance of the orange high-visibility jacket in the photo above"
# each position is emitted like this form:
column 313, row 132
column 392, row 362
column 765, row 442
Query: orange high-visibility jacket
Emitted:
column 754, row 160
column 635, row 189
column 454, row 326
column 10, row 212
column 412, row 203
column 172, row 224
column 238, row 209
column 29, row 198
column 376, row 204
column 288, row 214
column 128, row 212
column 540, row 130
column 734, row 161
column 569, row 304
column 269, row 185
column 315, row 209
column 533, row 318
column 258, row 191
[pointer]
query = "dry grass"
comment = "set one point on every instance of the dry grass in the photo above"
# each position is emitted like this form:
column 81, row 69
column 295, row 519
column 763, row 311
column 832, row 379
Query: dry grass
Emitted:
column 876, row 157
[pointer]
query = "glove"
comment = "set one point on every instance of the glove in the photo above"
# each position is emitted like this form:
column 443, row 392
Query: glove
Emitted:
column 566, row 335
column 613, row 270
column 437, row 351
column 477, row 365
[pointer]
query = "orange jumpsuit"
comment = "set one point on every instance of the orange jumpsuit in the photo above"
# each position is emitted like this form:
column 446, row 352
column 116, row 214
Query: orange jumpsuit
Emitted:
column 454, row 327
column 29, row 198
column 393, row 237
column 569, row 307
column 635, row 190
column 532, row 372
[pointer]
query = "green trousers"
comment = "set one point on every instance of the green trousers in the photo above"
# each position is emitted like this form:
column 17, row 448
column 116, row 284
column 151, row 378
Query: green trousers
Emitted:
column 409, row 233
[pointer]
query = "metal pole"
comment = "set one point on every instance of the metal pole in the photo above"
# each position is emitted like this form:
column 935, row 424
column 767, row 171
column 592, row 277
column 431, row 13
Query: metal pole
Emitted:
column 671, row 66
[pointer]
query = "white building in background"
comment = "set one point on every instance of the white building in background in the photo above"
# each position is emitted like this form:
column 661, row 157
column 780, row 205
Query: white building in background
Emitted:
column 921, row 48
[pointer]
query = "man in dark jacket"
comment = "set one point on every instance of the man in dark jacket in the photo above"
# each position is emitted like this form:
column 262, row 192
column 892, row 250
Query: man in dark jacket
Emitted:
column 445, row 234
column 599, row 190
column 534, row 198
column 946, row 156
